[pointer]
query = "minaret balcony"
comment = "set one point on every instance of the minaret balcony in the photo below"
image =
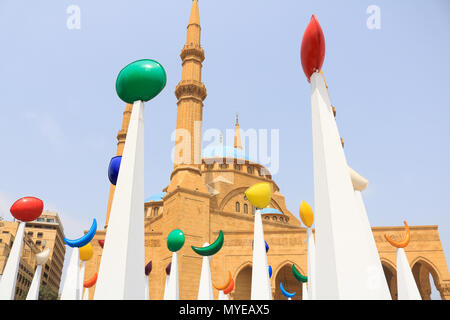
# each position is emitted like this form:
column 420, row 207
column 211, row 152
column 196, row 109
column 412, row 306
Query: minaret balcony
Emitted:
column 190, row 88
column 194, row 51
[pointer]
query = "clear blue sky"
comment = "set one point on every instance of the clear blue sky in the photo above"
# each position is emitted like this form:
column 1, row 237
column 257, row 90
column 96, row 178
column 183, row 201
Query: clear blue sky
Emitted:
column 60, row 113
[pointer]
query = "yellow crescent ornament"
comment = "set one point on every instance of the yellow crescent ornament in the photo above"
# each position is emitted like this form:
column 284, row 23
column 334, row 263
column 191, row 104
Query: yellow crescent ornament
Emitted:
column 259, row 194
column 86, row 252
column 403, row 243
column 306, row 214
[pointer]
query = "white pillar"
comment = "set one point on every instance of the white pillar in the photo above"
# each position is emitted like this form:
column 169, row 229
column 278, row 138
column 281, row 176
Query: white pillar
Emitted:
column 311, row 262
column 172, row 288
column 120, row 272
column 33, row 292
column 344, row 256
column 305, row 294
column 70, row 289
column 8, row 282
column 205, row 291
column 166, row 287
column 81, row 280
column 406, row 285
column 86, row 294
column 261, row 289
column 147, row 294
column 222, row 296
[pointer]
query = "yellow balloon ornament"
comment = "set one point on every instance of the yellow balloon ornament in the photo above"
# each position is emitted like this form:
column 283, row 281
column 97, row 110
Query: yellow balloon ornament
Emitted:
column 306, row 214
column 86, row 252
column 259, row 194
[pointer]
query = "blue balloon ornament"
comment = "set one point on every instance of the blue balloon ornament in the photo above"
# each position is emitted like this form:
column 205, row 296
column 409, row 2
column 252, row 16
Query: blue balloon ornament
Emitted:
column 113, row 169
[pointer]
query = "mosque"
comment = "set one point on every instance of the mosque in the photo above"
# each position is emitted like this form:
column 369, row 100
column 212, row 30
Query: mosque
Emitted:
column 206, row 194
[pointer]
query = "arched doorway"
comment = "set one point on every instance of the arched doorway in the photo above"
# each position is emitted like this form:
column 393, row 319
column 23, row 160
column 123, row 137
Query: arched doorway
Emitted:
column 243, row 284
column 291, row 284
column 391, row 278
column 423, row 271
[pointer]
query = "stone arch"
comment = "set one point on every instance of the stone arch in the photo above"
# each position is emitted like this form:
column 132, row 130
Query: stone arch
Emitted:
column 242, row 282
column 390, row 272
column 230, row 196
column 284, row 274
column 422, row 268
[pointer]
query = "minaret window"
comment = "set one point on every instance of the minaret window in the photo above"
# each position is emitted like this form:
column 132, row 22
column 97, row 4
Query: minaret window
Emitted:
column 237, row 167
column 223, row 166
column 250, row 169
column 245, row 208
column 155, row 211
column 238, row 207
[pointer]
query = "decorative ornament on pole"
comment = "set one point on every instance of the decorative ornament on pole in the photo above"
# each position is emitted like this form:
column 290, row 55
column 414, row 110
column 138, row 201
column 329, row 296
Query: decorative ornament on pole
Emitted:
column 306, row 214
column 404, row 242
column 229, row 288
column 113, row 169
column 175, row 241
column 312, row 48
column 286, row 293
column 148, row 268
column 298, row 275
column 90, row 282
column 25, row 209
column 259, row 194
column 212, row 249
column 84, row 240
column 141, row 80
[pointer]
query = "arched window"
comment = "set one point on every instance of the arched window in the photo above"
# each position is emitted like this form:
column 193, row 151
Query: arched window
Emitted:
column 238, row 207
column 250, row 169
column 155, row 211
column 245, row 208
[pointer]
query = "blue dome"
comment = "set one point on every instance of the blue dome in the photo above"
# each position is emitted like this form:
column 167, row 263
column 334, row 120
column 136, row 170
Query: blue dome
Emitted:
column 221, row 151
column 156, row 197
column 270, row 210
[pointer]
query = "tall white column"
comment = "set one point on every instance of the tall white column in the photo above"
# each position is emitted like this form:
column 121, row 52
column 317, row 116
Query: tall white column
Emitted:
column 311, row 247
column 166, row 287
column 205, row 291
column 172, row 288
column 406, row 285
column 305, row 293
column 344, row 256
column 147, row 293
column 33, row 292
column 8, row 282
column 70, row 290
column 86, row 294
column 261, row 289
column 81, row 280
column 120, row 272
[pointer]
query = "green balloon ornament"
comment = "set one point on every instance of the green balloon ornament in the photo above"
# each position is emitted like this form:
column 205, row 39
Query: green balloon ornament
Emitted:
column 175, row 240
column 140, row 80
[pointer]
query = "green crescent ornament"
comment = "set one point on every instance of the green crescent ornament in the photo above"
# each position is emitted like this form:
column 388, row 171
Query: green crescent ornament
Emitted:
column 212, row 248
column 298, row 275
column 175, row 240
column 140, row 80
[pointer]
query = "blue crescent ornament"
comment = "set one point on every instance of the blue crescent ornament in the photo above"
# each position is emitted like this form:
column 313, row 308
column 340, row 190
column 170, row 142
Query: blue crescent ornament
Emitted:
column 113, row 169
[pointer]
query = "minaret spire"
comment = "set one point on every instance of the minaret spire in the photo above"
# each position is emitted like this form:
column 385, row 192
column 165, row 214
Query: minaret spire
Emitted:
column 237, row 134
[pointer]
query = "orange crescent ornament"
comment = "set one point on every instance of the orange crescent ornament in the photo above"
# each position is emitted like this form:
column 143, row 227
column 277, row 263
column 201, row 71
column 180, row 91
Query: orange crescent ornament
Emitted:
column 229, row 288
column 226, row 283
column 90, row 282
column 403, row 243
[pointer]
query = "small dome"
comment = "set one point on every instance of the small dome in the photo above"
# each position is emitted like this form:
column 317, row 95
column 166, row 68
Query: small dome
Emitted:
column 156, row 197
column 270, row 210
column 221, row 151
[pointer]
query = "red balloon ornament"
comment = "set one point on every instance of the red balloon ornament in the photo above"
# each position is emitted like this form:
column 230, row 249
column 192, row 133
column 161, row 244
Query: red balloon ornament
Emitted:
column 312, row 52
column 27, row 209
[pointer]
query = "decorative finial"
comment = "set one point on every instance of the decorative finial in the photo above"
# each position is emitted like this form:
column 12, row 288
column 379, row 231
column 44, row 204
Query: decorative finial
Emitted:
column 237, row 119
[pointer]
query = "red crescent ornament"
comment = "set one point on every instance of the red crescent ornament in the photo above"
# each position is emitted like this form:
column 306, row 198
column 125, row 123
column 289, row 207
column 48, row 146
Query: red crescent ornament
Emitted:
column 90, row 282
column 101, row 243
column 27, row 209
column 312, row 52
column 229, row 288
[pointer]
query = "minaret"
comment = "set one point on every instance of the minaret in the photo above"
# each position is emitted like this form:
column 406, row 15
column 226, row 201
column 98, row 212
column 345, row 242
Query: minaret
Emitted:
column 121, row 136
column 186, row 203
column 237, row 135
column 190, row 93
